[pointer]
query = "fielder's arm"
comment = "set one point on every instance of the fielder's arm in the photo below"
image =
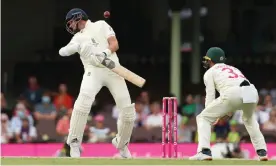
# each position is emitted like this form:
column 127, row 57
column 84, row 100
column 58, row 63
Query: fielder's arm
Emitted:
column 210, row 88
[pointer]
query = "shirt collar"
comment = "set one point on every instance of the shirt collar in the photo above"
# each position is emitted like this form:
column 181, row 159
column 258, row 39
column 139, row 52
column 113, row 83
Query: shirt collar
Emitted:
column 87, row 23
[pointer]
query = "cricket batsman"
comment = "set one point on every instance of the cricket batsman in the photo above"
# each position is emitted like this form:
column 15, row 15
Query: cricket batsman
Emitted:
column 236, row 93
column 94, row 41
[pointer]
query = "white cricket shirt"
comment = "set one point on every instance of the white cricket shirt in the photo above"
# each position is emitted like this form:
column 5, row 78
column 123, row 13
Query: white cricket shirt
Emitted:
column 220, row 77
column 94, row 34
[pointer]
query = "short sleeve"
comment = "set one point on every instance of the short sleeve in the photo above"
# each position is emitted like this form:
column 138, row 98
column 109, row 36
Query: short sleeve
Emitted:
column 108, row 30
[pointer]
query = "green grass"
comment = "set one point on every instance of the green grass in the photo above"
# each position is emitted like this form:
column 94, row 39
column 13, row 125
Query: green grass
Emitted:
column 109, row 161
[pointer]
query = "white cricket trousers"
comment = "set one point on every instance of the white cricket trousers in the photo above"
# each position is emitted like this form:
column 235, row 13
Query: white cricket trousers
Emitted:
column 229, row 101
column 94, row 79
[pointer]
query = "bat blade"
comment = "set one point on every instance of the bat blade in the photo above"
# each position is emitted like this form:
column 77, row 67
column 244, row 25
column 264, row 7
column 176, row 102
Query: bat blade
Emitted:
column 124, row 72
column 129, row 75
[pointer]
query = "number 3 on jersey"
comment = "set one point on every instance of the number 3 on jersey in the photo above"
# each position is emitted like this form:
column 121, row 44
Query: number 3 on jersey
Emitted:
column 232, row 73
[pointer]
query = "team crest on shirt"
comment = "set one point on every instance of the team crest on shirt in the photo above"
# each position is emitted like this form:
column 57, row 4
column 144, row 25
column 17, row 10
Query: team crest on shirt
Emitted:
column 94, row 42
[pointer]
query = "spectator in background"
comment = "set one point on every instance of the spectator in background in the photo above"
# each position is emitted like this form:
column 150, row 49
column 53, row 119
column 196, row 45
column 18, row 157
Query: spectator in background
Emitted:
column 86, row 134
column 33, row 92
column 143, row 102
column 273, row 95
column 238, row 117
column 221, row 128
column 213, row 138
column 145, row 98
column 6, row 131
column 261, row 114
column 155, row 118
column 268, row 103
column 213, row 135
column 99, row 133
column 233, row 135
column 270, row 125
column 28, row 105
column 4, row 106
column 63, row 101
column 199, row 104
column 263, row 92
column 184, row 131
column 115, row 112
column 20, row 113
column 26, row 133
column 46, row 109
column 189, row 108
column 63, row 124
column 140, row 114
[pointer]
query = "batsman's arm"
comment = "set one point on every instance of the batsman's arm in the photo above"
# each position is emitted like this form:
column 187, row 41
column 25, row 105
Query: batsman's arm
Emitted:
column 69, row 49
column 113, row 44
column 120, row 70
column 210, row 88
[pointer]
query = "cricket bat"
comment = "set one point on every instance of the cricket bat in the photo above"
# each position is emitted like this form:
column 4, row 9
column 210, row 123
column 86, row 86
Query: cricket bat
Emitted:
column 123, row 72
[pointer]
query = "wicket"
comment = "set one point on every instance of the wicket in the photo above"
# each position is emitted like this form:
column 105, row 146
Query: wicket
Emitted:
column 169, row 107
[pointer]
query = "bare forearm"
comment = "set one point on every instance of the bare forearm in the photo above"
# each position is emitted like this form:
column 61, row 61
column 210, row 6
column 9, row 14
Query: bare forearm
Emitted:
column 113, row 47
column 113, row 44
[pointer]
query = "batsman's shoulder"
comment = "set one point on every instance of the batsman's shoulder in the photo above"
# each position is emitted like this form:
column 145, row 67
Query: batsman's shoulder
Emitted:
column 76, row 36
column 101, row 22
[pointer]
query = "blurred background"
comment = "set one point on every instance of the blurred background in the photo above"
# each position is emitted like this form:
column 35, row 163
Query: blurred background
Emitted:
column 161, row 40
